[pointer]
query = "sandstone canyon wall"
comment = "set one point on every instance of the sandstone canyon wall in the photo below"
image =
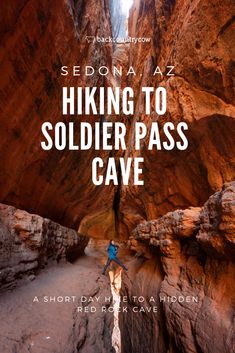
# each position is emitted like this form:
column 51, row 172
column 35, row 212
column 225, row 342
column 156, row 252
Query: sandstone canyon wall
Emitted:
column 189, row 252
column 29, row 242
column 197, row 38
column 185, row 260
column 37, row 38
column 55, row 184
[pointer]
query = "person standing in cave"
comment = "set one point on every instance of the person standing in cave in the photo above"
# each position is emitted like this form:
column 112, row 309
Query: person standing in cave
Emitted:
column 112, row 256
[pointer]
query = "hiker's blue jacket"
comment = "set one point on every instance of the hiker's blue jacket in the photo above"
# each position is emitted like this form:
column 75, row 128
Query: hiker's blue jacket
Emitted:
column 112, row 251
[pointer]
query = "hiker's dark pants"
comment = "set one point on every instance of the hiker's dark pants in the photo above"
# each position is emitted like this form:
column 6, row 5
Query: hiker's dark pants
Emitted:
column 115, row 259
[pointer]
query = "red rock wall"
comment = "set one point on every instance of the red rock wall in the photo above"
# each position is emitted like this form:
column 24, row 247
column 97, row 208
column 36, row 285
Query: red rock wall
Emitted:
column 188, row 252
column 29, row 242
column 37, row 38
column 185, row 254
column 197, row 37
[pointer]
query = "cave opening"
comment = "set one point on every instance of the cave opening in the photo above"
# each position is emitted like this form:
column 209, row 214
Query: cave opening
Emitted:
column 119, row 17
column 126, row 5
